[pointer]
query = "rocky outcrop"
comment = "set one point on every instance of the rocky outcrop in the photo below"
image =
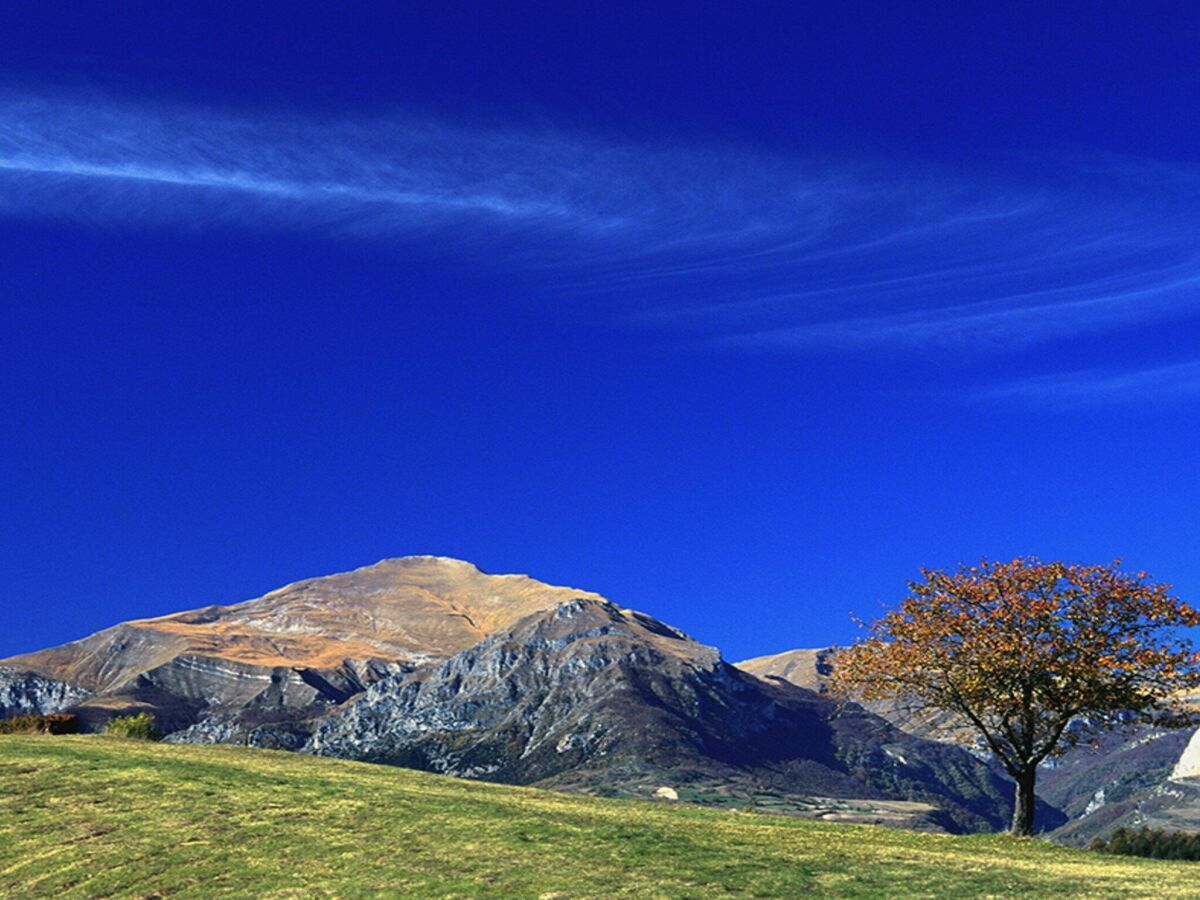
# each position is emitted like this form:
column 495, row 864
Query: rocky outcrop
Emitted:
column 27, row 693
column 1188, row 765
column 203, row 695
column 542, row 693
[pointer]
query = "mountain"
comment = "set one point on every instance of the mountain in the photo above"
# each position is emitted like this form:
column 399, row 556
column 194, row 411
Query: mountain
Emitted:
column 431, row 663
column 412, row 610
column 592, row 697
column 1127, row 779
column 294, row 651
column 1141, row 776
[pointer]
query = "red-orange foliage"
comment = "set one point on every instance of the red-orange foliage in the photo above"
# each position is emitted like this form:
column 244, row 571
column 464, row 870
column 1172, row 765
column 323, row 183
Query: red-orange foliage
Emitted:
column 1032, row 655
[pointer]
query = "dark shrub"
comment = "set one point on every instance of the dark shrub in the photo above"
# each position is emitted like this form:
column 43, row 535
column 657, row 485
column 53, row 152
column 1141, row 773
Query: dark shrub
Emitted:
column 62, row 723
column 1154, row 843
column 21, row 725
column 140, row 727
column 55, row 723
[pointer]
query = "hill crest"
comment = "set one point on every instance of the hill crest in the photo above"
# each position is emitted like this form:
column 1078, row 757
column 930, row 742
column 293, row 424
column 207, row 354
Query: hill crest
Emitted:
column 410, row 609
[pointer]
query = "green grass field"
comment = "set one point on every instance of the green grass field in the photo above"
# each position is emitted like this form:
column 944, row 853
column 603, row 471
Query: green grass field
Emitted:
column 98, row 816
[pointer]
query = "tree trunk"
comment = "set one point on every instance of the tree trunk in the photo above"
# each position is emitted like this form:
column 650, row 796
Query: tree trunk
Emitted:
column 1024, row 804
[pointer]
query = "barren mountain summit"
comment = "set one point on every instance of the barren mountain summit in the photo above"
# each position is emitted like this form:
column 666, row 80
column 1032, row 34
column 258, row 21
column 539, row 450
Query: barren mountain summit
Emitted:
column 411, row 610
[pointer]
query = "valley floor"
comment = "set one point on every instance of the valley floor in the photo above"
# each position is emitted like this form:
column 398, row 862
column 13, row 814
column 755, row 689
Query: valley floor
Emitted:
column 98, row 816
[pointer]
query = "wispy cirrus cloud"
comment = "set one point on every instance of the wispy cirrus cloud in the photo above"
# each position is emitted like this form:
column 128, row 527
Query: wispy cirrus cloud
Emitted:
column 654, row 208
column 1009, row 321
column 106, row 159
column 1084, row 389
column 719, row 246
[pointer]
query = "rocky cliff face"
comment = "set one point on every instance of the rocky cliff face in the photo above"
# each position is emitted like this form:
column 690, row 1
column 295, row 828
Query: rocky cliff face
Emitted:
column 592, row 697
column 24, row 693
column 537, row 698
column 1140, row 776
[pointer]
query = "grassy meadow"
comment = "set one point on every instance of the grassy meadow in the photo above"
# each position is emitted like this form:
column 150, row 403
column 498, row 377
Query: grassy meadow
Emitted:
column 84, row 816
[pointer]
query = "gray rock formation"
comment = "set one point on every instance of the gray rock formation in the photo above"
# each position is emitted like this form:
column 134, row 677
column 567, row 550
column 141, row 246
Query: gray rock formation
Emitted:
column 29, row 693
column 592, row 697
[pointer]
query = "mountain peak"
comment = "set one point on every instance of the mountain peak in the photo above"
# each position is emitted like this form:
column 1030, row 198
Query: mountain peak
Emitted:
column 408, row 610
column 420, row 559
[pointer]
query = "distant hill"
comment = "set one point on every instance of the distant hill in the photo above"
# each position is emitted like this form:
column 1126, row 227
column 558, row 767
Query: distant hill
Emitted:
column 811, row 668
column 101, row 817
column 1124, row 779
column 804, row 668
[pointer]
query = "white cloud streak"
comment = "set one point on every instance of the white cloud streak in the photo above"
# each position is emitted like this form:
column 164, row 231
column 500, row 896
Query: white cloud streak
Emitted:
column 1087, row 389
column 113, row 154
column 725, row 247
column 1011, row 321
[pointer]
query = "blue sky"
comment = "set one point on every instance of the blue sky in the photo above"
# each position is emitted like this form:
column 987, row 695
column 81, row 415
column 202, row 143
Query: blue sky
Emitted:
column 738, row 316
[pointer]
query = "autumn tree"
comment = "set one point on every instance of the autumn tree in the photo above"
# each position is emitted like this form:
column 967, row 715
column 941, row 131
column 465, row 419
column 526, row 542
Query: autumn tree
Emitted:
column 1031, row 657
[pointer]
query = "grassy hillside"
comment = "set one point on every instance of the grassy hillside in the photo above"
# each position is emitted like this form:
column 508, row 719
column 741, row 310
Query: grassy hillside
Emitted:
column 84, row 816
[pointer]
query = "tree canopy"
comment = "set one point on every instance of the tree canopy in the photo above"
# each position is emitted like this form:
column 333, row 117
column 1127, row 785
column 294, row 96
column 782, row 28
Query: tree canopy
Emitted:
column 1030, row 656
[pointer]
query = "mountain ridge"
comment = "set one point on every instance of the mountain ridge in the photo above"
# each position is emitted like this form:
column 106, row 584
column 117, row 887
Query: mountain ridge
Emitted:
column 593, row 698
column 446, row 604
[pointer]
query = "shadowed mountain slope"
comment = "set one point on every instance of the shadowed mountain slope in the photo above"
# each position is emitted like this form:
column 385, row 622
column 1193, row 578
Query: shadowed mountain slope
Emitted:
column 1122, row 778
column 595, row 698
